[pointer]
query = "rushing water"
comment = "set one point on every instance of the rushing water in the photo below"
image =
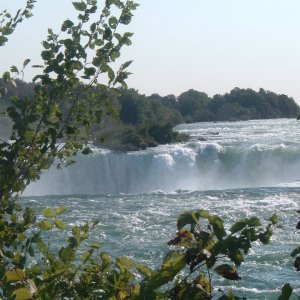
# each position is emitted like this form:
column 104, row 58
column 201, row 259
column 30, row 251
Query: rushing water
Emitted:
column 235, row 170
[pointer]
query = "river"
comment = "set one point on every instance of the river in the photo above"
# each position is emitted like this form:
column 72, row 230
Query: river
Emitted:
column 233, row 169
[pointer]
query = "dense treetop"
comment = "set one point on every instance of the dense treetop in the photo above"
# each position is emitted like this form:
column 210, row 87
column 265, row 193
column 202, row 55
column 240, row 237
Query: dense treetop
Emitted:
column 148, row 120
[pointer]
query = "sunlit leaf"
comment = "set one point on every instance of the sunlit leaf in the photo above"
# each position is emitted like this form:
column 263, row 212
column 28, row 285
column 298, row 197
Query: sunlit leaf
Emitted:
column 144, row 270
column 15, row 275
column 45, row 225
column 22, row 294
column 59, row 224
column 95, row 245
column 48, row 212
column 60, row 210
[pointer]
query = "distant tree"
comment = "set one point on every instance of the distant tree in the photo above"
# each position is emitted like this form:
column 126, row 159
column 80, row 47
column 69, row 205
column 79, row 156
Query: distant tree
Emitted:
column 192, row 102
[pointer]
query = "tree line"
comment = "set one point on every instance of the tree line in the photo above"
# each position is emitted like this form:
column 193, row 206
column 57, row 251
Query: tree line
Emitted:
column 60, row 107
column 136, row 121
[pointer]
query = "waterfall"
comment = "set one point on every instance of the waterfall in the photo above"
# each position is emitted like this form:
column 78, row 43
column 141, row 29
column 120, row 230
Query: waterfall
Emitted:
column 192, row 166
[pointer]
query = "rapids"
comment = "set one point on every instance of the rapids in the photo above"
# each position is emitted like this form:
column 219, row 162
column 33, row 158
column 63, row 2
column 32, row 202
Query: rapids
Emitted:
column 218, row 156
column 233, row 169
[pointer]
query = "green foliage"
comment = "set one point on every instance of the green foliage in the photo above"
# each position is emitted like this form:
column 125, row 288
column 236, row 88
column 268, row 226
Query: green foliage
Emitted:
column 8, row 23
column 61, row 106
column 66, row 101
column 148, row 121
column 33, row 269
column 286, row 292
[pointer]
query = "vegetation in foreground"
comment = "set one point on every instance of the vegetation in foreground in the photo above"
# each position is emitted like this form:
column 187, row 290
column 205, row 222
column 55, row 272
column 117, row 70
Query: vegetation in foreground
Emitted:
column 62, row 107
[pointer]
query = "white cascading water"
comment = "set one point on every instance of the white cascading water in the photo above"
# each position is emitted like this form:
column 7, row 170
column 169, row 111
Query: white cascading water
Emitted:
column 115, row 188
column 218, row 156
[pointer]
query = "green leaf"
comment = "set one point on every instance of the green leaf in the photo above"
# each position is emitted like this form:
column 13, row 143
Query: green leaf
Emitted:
column 46, row 55
column 174, row 262
column 22, row 294
column 3, row 40
column 105, row 257
column 48, row 212
column 37, row 66
column 45, row 225
column 86, row 255
column 66, row 24
column 15, row 275
column 17, row 207
column 254, row 221
column 26, row 62
column 296, row 251
column 113, row 21
column 14, row 69
column 73, row 242
column 186, row 218
column 81, row 6
column 59, row 224
column 126, row 64
column 95, row 245
column 265, row 237
column 60, row 210
column 114, row 55
column 228, row 272
column 238, row 226
column 42, row 246
column 237, row 258
column 89, row 71
column 213, row 219
column 297, row 263
column 6, row 76
column 111, row 74
column 274, row 219
column 218, row 226
column 144, row 270
column 35, row 269
column 22, row 236
column 7, row 30
column 158, row 279
column 231, row 295
column 123, row 261
column 286, row 292
column 106, row 261
column 66, row 254
column 93, row 27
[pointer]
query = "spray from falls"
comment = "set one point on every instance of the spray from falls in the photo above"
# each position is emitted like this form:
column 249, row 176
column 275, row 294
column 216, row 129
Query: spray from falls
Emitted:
column 192, row 166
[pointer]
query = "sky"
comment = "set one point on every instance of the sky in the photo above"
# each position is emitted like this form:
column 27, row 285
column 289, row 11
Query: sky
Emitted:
column 207, row 45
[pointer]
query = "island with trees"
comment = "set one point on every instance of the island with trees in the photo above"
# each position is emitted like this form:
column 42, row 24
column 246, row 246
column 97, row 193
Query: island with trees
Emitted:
column 135, row 121
column 59, row 106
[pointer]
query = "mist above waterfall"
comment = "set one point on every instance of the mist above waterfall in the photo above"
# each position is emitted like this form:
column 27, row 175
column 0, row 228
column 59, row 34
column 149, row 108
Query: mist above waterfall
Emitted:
column 218, row 156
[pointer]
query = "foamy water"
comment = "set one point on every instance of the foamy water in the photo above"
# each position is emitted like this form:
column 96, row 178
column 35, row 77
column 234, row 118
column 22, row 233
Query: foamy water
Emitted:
column 218, row 156
column 235, row 170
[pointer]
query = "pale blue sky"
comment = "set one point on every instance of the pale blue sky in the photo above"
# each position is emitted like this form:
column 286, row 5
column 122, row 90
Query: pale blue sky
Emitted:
column 208, row 45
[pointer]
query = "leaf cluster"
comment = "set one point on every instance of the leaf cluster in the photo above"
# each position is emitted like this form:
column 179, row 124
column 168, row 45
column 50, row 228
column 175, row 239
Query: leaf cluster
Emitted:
column 33, row 267
column 8, row 22
column 54, row 124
